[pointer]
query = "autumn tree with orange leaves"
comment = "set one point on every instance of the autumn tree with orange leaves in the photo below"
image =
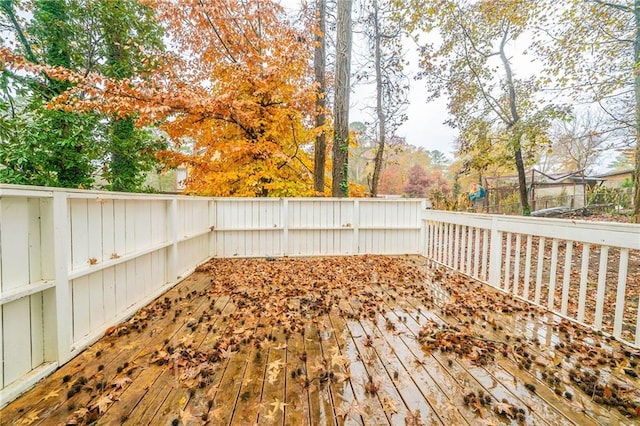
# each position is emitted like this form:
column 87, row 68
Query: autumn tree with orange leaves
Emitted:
column 236, row 97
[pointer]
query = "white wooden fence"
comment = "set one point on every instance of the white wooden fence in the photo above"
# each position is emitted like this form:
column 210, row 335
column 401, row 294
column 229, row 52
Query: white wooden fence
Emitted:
column 74, row 263
column 576, row 269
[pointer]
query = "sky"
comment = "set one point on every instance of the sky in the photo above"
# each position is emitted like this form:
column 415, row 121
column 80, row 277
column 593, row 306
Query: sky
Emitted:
column 424, row 126
column 425, row 123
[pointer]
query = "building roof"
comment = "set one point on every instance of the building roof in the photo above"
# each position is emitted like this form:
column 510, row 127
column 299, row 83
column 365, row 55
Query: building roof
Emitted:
column 616, row 173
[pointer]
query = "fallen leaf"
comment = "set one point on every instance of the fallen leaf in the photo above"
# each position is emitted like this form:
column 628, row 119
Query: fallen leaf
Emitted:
column 121, row 382
column 102, row 403
column 30, row 418
column 52, row 393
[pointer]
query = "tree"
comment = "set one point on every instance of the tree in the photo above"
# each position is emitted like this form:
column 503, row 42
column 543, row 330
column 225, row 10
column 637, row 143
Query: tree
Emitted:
column 128, row 29
column 383, row 33
column 578, row 144
column 59, row 147
column 417, row 182
column 623, row 161
column 42, row 146
column 393, row 180
column 594, row 55
column 438, row 159
column 473, row 67
column 239, row 98
column 340, row 186
column 319, row 68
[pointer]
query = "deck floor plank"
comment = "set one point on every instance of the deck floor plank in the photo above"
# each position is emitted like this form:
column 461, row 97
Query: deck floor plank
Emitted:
column 320, row 399
column 298, row 410
column 249, row 396
column 272, row 408
column 197, row 355
column 362, row 405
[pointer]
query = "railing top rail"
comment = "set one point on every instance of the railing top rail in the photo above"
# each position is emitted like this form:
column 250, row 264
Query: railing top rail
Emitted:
column 625, row 235
column 11, row 190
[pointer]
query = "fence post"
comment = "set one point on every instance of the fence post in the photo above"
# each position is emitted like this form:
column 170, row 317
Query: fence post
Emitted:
column 495, row 259
column 62, row 247
column 172, row 252
column 422, row 240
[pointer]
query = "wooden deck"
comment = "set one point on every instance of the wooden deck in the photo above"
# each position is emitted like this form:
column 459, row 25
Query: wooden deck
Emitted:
column 355, row 340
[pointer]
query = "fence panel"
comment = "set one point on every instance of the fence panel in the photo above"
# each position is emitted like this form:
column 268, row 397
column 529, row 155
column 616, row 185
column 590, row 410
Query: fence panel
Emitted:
column 588, row 272
column 77, row 262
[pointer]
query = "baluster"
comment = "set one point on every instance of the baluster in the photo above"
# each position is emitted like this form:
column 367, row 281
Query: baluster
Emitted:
column 620, row 295
column 552, row 274
column 566, row 281
column 602, row 284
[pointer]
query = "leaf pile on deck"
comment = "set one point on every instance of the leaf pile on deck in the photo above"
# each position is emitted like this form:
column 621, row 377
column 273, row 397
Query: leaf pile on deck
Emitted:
column 256, row 312
column 271, row 297
column 578, row 359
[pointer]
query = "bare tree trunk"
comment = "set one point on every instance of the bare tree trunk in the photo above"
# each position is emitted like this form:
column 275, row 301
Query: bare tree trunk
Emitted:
column 516, row 134
column 636, row 49
column 319, row 65
column 377, row 165
column 340, row 186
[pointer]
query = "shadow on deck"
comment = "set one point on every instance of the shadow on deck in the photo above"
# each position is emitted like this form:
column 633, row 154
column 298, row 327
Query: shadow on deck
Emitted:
column 353, row 340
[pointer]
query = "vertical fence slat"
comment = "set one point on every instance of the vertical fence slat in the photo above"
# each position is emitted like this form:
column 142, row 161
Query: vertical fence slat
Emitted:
column 602, row 284
column 356, row 226
column 527, row 267
column 456, row 247
column 539, row 269
column 485, row 253
column 476, row 253
column 620, row 295
column 463, row 247
column 441, row 242
column 469, row 247
column 285, row 227
column 507, row 263
column 17, row 339
column 449, row 243
column 584, row 277
column 516, row 264
column 172, row 250
column 552, row 274
column 1, row 348
column 495, row 259
column 566, row 280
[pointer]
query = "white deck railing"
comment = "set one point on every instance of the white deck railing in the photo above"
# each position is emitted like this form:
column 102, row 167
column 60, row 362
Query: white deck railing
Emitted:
column 576, row 269
column 74, row 263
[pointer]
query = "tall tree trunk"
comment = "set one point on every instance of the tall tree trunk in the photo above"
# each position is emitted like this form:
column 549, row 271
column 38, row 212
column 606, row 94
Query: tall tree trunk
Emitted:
column 636, row 48
column 319, row 70
column 340, row 186
column 522, row 180
column 377, row 165
column 516, row 135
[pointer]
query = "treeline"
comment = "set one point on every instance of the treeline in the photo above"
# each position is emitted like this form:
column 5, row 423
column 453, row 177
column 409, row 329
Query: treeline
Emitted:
column 254, row 101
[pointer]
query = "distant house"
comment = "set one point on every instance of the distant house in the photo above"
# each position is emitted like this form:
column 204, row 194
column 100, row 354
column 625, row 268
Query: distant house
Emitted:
column 547, row 190
column 616, row 179
column 561, row 189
